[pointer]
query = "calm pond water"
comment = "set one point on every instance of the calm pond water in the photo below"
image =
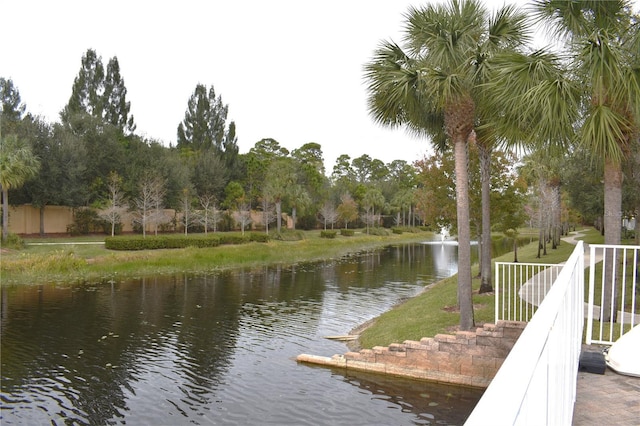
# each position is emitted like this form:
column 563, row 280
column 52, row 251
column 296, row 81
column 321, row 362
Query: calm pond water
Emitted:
column 218, row 349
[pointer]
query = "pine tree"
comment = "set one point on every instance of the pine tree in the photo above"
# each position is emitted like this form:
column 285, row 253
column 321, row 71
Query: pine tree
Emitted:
column 98, row 95
column 12, row 106
column 205, row 124
column 87, row 90
column 116, row 107
column 193, row 132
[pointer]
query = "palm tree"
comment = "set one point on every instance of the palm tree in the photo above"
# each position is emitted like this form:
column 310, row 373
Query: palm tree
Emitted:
column 299, row 199
column 279, row 177
column 372, row 198
column 604, row 40
column 507, row 32
column 596, row 99
column 604, row 44
column 17, row 165
column 433, row 86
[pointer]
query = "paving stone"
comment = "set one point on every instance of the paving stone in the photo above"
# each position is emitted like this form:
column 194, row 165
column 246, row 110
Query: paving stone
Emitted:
column 607, row 399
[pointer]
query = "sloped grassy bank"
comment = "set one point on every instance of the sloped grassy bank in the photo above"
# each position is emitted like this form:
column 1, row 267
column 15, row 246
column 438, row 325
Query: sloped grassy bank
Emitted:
column 86, row 260
column 434, row 310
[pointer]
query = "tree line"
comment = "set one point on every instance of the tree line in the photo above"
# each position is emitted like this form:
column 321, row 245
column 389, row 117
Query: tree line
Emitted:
column 93, row 158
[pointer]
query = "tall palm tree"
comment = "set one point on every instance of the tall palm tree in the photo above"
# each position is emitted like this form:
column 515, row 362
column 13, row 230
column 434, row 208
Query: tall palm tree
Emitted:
column 433, row 84
column 595, row 95
column 508, row 31
column 17, row 165
column 603, row 44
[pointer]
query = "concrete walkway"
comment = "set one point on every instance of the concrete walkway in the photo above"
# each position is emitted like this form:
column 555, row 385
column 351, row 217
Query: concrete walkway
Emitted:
column 535, row 285
column 77, row 243
column 606, row 399
column 534, row 289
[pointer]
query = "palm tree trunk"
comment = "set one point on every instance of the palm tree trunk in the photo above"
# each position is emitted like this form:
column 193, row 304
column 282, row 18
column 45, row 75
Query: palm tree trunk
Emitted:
column 612, row 232
column 294, row 217
column 556, row 216
column 485, row 246
column 5, row 213
column 465, row 295
column 42, row 220
column 540, row 237
column 279, row 215
column 637, row 230
column 559, row 216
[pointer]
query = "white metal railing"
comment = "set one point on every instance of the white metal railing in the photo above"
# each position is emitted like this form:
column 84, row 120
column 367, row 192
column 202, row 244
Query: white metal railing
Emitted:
column 624, row 290
column 536, row 384
column 520, row 288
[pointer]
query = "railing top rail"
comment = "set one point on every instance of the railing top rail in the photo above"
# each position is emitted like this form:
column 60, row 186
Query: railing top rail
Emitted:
column 527, row 264
column 615, row 246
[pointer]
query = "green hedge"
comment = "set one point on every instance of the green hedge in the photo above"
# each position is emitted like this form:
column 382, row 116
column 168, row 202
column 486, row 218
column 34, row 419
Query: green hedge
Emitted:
column 381, row 232
column 138, row 242
column 347, row 232
column 328, row 234
column 289, row 235
column 153, row 242
column 233, row 238
column 259, row 238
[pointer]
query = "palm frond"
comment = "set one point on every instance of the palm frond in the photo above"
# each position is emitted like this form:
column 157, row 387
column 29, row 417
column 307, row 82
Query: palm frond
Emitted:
column 391, row 82
column 509, row 28
column 579, row 18
column 532, row 100
column 446, row 34
column 604, row 133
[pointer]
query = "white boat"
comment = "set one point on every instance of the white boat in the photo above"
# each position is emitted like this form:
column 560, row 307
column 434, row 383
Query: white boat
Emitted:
column 623, row 356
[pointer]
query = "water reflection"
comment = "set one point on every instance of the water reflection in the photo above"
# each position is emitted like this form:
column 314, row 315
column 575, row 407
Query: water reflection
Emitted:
column 212, row 349
column 429, row 402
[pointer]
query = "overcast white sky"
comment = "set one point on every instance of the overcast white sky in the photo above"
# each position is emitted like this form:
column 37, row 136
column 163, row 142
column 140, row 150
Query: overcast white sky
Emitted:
column 289, row 70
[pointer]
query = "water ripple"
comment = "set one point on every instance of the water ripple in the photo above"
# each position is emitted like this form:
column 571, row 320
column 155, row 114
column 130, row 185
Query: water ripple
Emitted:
column 214, row 349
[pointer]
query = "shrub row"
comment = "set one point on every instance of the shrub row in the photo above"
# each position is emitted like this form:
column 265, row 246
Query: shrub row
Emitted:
column 347, row 232
column 154, row 242
column 289, row 235
column 328, row 234
column 379, row 231
column 259, row 238
column 410, row 229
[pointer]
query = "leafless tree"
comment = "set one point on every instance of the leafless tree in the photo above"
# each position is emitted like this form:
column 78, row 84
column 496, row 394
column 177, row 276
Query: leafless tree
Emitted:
column 187, row 217
column 244, row 215
column 159, row 191
column 370, row 218
column 148, row 203
column 329, row 214
column 210, row 213
column 268, row 213
column 115, row 207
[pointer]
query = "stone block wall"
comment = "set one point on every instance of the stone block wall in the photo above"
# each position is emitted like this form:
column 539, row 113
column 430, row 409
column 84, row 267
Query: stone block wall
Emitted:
column 470, row 358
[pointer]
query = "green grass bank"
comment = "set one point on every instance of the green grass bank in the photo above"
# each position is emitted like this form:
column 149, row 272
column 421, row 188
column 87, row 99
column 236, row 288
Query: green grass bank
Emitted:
column 85, row 259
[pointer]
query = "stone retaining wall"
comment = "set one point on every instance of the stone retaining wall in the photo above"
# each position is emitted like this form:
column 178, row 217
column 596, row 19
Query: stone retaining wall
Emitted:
column 470, row 358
